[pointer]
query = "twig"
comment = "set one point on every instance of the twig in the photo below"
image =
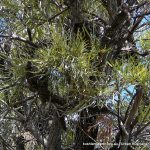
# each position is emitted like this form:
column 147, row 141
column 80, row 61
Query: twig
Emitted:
column 141, row 129
column 56, row 15
column 98, row 18
column 7, row 87
column 6, row 143
column 25, row 100
column 21, row 39
column 139, row 5
column 144, row 24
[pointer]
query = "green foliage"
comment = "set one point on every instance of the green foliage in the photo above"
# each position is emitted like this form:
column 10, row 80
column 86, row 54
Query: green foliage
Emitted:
column 144, row 113
column 132, row 72
column 68, row 138
column 66, row 60
column 96, row 7
column 145, row 41
column 70, row 57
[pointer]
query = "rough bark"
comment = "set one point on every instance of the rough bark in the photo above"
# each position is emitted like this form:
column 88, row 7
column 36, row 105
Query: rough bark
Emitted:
column 54, row 140
column 131, row 116
column 85, row 133
column 20, row 143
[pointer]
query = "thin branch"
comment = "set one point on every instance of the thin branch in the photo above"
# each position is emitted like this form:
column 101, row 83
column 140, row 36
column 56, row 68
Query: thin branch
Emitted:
column 144, row 24
column 12, row 118
column 98, row 18
column 25, row 100
column 7, row 87
column 139, row 5
column 4, row 78
column 143, row 14
column 134, row 51
column 131, row 94
column 134, row 27
column 141, row 129
column 6, row 143
column 21, row 39
column 56, row 15
column 146, row 114
column 86, row 134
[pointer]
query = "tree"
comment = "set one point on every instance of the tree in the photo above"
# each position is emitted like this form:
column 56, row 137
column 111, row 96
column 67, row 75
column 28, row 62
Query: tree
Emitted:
column 74, row 74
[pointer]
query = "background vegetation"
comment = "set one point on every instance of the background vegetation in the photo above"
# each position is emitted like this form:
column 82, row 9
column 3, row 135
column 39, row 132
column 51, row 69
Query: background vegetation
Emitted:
column 74, row 74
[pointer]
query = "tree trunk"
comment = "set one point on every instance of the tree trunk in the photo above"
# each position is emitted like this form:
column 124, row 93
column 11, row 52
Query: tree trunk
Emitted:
column 20, row 143
column 86, row 134
column 54, row 140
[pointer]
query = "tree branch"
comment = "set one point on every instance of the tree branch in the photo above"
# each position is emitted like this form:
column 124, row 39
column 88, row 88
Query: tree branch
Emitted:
column 98, row 18
column 21, row 39
column 134, row 106
column 141, row 129
column 6, row 143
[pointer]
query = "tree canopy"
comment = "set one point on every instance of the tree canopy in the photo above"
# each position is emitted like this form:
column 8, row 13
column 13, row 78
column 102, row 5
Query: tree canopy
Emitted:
column 74, row 74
